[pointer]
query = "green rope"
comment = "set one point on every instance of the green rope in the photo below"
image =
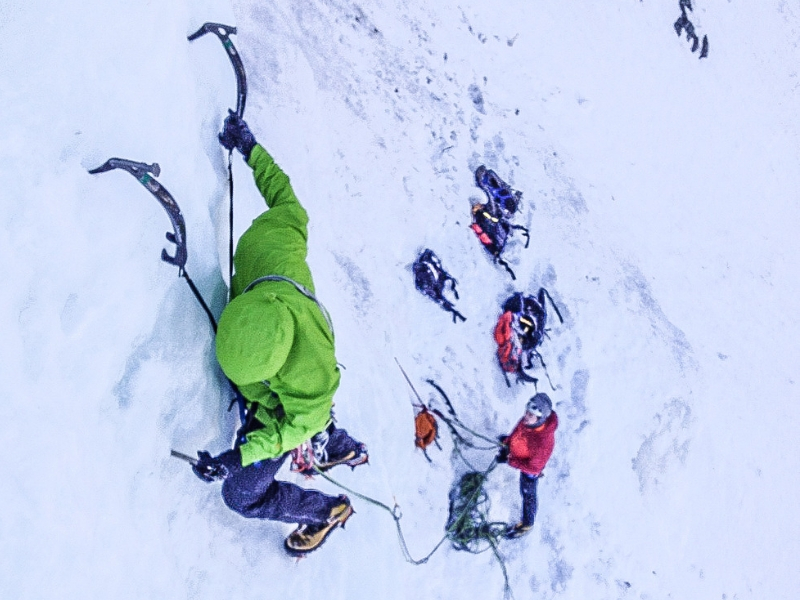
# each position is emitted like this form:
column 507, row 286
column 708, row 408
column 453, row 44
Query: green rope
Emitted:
column 468, row 526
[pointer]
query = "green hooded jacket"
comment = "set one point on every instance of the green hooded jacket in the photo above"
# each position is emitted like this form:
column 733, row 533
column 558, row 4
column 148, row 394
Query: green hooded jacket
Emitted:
column 273, row 342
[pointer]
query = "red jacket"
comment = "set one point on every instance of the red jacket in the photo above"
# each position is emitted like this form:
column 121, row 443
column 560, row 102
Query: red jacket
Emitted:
column 530, row 447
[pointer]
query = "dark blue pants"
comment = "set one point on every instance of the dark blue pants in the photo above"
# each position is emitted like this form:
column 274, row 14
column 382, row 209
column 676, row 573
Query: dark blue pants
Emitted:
column 340, row 443
column 253, row 491
column 530, row 503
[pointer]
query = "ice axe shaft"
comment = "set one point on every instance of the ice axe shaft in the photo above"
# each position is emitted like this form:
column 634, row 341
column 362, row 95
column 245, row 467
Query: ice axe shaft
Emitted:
column 184, row 457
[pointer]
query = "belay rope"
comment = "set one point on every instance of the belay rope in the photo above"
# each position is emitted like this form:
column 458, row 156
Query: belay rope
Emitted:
column 230, row 223
column 469, row 506
column 468, row 527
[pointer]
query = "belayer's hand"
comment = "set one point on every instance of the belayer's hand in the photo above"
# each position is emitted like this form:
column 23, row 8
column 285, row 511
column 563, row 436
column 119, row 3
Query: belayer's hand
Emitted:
column 502, row 455
column 210, row 468
column 236, row 134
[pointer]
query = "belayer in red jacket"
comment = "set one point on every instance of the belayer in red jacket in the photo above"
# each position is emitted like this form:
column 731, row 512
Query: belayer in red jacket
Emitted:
column 528, row 448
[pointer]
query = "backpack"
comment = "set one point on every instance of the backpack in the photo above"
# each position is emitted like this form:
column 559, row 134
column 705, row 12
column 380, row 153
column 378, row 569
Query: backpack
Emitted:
column 491, row 221
column 430, row 278
column 520, row 331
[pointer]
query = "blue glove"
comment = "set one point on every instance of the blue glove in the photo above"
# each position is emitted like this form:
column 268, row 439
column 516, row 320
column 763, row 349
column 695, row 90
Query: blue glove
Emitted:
column 210, row 468
column 236, row 134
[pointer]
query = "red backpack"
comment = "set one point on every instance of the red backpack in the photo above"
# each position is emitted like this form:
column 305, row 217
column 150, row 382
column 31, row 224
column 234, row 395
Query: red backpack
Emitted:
column 519, row 332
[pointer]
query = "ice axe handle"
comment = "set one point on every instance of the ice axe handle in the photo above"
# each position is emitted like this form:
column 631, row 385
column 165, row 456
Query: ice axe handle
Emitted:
column 184, row 457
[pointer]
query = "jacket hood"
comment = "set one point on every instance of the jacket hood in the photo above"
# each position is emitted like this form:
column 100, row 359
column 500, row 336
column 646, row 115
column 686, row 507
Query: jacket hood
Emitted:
column 254, row 337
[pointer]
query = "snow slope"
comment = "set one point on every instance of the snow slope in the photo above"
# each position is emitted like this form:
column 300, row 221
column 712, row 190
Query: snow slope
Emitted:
column 660, row 193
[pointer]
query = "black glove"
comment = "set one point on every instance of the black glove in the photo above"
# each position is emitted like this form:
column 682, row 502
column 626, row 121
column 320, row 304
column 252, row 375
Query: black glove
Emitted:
column 236, row 134
column 210, row 468
column 502, row 455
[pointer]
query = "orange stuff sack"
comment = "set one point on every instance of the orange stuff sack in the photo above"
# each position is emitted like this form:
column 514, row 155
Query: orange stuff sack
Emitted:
column 426, row 429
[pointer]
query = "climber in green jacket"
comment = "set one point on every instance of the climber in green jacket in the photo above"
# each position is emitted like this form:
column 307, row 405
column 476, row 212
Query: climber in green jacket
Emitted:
column 275, row 343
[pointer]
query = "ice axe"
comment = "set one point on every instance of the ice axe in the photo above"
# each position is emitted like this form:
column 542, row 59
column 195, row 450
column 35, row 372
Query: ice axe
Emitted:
column 223, row 32
column 146, row 174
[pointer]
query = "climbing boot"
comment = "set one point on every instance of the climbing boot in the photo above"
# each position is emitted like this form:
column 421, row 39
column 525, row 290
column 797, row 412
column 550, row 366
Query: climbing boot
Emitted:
column 352, row 459
column 308, row 537
column 518, row 531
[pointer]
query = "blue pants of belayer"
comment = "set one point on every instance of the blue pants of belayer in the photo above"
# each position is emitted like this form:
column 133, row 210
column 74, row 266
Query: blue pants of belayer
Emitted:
column 254, row 492
column 530, row 503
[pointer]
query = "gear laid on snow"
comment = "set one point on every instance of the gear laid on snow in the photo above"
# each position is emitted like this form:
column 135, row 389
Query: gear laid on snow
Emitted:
column 507, row 200
column 468, row 526
column 491, row 221
column 426, row 429
column 683, row 24
column 519, row 332
column 430, row 278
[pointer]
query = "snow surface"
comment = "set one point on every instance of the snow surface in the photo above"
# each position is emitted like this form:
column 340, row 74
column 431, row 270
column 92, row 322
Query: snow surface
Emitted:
column 661, row 194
